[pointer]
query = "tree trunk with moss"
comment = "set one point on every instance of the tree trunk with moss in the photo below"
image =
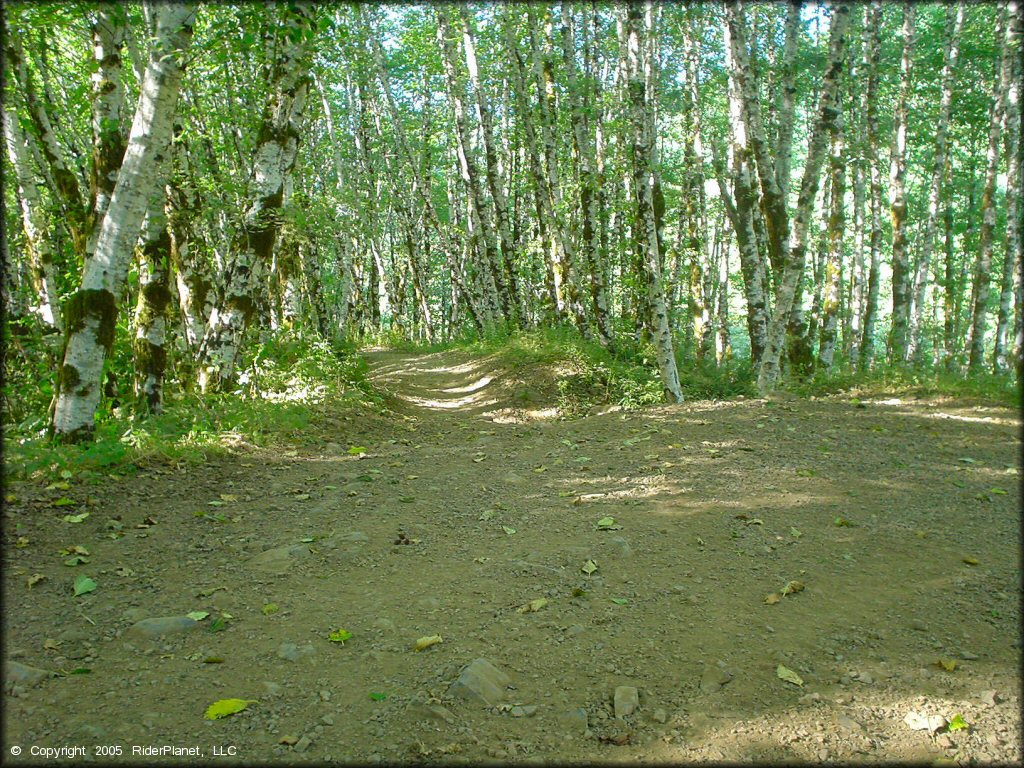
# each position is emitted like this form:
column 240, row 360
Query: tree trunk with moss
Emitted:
column 986, row 234
column 42, row 272
column 91, row 315
column 277, row 148
column 1012, row 253
column 639, row 22
column 822, row 126
column 898, row 335
column 149, row 346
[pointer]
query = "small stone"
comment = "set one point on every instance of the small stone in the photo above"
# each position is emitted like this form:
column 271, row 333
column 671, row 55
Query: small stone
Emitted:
column 575, row 629
column 327, row 719
column 16, row 672
column 944, row 741
column 994, row 740
column 279, row 560
column 621, row 547
column 968, row 656
column 849, row 724
column 574, row 721
column 865, row 678
column 293, row 652
column 272, row 689
column 823, row 754
column 810, row 698
column 918, row 626
column 523, row 711
column 627, row 699
column 482, row 682
column 989, row 698
column 303, row 744
column 660, row 715
column 289, row 739
column 424, row 711
column 162, row 626
column 713, row 679
column 844, row 698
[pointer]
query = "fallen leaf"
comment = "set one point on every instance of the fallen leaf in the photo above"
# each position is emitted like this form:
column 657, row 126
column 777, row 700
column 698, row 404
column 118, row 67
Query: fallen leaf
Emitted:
column 34, row 579
column 425, row 642
column 226, row 707
column 773, row 598
column 793, row 587
column 198, row 615
column 64, row 501
column 947, row 664
column 83, row 584
column 619, row 600
column 787, row 674
column 533, row 606
column 957, row 723
column 339, row 636
column 378, row 696
column 486, row 515
column 921, row 722
column 608, row 524
column 75, row 518
column 795, row 533
column 228, row 497
column 508, row 530
column 269, row 609
column 971, row 561
column 589, row 567
column 355, row 450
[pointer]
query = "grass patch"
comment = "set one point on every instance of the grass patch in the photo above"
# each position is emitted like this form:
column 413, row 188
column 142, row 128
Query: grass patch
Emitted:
column 987, row 389
column 283, row 391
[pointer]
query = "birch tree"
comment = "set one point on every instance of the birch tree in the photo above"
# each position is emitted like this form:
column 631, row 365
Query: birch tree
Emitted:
column 91, row 313
column 639, row 21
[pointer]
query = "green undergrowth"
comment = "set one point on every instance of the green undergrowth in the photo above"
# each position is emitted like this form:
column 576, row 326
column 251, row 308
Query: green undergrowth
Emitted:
column 909, row 382
column 285, row 388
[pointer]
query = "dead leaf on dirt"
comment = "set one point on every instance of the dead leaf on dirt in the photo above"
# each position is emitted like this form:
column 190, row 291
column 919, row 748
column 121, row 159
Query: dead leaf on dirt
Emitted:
column 919, row 721
column 34, row 579
column 971, row 561
column 773, row 598
column 486, row 515
column 427, row 641
column 50, row 644
column 793, row 587
column 947, row 664
column 533, row 606
column 608, row 524
column 589, row 567
column 787, row 674
column 228, row 497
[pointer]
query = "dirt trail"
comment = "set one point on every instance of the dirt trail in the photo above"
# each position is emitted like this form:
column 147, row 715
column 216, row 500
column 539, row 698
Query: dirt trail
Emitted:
column 466, row 506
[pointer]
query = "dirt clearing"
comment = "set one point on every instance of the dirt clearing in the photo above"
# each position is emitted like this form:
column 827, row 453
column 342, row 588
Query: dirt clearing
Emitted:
column 641, row 585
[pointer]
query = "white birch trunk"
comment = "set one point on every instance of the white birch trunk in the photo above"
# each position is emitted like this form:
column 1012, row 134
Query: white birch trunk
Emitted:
column 92, row 315
column 986, row 236
column 768, row 374
column 644, row 180
column 35, row 224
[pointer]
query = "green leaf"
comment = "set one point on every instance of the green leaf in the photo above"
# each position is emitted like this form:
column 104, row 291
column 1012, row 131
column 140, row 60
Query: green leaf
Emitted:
column 957, row 723
column 378, row 696
column 269, row 609
column 339, row 636
column 355, row 450
column 787, row 674
column 76, row 560
column 589, row 567
column 608, row 524
column 83, row 584
column 620, row 600
column 198, row 615
column 75, row 518
column 64, row 501
column 508, row 530
column 225, row 707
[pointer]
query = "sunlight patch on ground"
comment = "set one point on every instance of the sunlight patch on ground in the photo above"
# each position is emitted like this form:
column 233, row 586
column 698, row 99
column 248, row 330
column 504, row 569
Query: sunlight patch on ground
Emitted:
column 483, row 381
column 460, row 402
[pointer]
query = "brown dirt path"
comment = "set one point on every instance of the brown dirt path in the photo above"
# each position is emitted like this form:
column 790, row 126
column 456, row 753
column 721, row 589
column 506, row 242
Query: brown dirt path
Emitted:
column 873, row 509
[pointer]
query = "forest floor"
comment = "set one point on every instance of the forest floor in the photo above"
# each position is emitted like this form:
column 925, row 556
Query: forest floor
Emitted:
column 460, row 508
